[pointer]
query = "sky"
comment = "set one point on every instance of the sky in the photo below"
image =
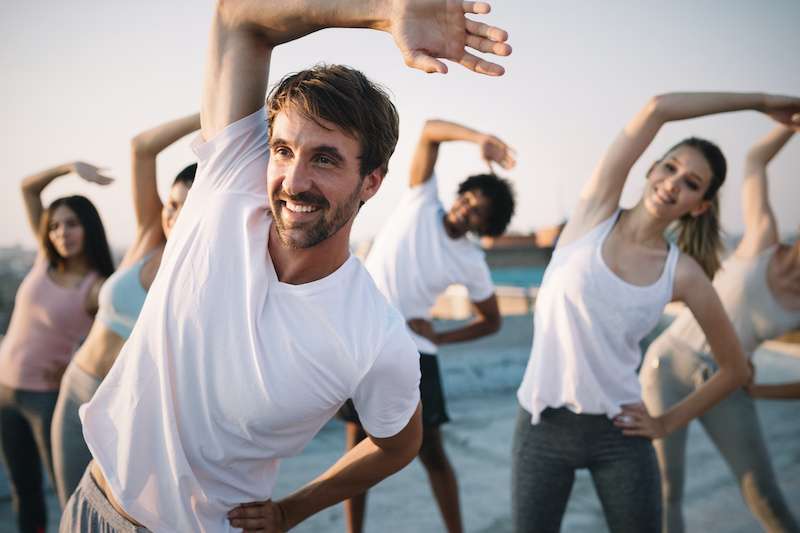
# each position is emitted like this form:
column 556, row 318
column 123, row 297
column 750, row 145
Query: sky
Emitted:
column 81, row 78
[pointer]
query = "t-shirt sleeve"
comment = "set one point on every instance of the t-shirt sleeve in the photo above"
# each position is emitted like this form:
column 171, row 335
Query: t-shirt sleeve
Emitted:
column 235, row 159
column 478, row 279
column 388, row 393
column 425, row 193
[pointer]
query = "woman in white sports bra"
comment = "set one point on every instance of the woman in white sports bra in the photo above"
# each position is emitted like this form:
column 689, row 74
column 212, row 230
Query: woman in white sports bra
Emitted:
column 121, row 297
column 759, row 286
column 610, row 276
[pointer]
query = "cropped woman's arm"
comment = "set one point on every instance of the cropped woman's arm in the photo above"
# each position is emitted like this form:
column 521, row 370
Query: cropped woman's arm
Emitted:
column 33, row 185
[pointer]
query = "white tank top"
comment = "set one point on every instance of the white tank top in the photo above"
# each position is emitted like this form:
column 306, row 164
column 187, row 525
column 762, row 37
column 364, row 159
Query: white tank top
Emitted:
column 755, row 313
column 587, row 326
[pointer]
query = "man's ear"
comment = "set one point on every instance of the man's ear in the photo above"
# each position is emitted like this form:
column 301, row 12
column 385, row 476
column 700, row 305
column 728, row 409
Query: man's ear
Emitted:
column 700, row 209
column 371, row 183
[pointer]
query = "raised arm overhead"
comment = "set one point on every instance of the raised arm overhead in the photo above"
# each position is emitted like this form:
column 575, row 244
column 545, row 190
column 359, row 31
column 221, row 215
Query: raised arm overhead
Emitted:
column 244, row 32
column 601, row 195
column 435, row 132
column 760, row 226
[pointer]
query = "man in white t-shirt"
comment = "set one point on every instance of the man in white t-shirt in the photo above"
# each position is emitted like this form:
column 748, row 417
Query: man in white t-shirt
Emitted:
column 260, row 324
column 422, row 250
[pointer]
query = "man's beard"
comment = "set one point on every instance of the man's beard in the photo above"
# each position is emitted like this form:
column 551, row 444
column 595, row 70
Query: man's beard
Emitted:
column 319, row 230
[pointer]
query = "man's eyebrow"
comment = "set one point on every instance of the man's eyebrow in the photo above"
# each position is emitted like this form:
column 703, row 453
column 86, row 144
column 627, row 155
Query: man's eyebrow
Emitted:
column 329, row 150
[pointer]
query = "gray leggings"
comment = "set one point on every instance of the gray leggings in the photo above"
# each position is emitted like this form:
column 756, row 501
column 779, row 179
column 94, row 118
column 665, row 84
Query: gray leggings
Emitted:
column 544, row 460
column 24, row 447
column 672, row 371
column 70, row 454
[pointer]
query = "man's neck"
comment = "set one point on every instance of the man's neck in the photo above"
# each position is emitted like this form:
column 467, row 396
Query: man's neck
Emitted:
column 297, row 266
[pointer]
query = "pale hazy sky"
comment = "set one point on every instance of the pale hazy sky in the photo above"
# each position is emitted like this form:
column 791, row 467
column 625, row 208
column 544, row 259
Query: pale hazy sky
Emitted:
column 80, row 78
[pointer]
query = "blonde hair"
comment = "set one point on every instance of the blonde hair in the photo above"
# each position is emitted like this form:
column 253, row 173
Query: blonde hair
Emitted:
column 701, row 236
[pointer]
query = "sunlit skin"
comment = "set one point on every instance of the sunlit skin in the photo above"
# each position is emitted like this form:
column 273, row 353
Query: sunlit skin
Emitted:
column 313, row 180
column 66, row 232
column 676, row 185
column 172, row 207
column 469, row 213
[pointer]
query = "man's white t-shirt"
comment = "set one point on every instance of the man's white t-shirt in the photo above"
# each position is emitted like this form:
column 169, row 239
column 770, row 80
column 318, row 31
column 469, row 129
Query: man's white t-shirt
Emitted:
column 228, row 369
column 413, row 260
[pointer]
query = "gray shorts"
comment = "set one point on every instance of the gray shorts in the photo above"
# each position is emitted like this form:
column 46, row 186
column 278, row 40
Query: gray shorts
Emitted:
column 89, row 511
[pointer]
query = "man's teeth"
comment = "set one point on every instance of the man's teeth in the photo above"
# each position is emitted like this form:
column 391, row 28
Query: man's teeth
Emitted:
column 300, row 208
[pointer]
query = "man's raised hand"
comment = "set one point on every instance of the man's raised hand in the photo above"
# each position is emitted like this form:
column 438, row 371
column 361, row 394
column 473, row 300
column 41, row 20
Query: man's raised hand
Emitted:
column 427, row 31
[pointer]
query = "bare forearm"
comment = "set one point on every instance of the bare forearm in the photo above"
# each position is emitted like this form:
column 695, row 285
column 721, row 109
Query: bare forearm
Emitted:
column 714, row 390
column 358, row 470
column 681, row 106
column 439, row 131
column 32, row 187
column 764, row 150
column 283, row 21
column 476, row 329
column 36, row 183
column 153, row 141
column 783, row 391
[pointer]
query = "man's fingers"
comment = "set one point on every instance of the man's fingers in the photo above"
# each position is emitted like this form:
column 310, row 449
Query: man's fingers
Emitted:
column 248, row 523
column 492, row 33
column 485, row 45
column 422, row 61
column 247, row 510
column 478, row 8
column 481, row 66
column 638, row 432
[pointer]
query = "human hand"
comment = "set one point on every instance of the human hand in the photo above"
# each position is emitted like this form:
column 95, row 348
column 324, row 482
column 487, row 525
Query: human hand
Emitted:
column 783, row 109
column 253, row 517
column 428, row 30
column 91, row 173
column 635, row 421
column 493, row 150
column 423, row 328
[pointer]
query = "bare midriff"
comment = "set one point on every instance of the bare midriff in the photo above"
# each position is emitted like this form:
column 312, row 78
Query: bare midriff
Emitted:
column 99, row 351
column 102, row 484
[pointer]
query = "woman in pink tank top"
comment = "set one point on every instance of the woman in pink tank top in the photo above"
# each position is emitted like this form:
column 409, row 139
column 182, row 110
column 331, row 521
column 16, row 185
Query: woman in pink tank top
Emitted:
column 53, row 311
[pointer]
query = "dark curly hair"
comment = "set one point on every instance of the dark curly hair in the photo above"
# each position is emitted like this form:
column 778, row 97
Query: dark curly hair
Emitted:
column 500, row 194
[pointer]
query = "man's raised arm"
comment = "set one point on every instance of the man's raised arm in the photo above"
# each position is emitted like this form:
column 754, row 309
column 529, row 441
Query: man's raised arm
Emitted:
column 244, row 32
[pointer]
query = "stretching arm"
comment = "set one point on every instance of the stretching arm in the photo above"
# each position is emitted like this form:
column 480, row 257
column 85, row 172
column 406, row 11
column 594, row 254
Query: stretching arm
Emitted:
column 33, row 185
column 761, row 228
column 145, row 147
column 244, row 32
column 435, row 132
column 601, row 194
column 694, row 288
column 486, row 322
column 782, row 391
column 372, row 460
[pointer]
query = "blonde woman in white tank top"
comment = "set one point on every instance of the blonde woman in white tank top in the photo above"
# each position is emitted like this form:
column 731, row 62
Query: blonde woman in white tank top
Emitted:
column 759, row 286
column 580, row 398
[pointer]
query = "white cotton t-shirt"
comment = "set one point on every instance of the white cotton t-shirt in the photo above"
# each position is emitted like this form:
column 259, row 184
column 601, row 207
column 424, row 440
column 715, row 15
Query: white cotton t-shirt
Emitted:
column 228, row 369
column 413, row 260
column 587, row 326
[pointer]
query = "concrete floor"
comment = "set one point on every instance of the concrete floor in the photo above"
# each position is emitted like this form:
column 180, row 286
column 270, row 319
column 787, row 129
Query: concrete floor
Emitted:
column 480, row 380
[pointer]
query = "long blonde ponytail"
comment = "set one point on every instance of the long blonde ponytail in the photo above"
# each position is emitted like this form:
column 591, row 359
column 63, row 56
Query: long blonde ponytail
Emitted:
column 701, row 236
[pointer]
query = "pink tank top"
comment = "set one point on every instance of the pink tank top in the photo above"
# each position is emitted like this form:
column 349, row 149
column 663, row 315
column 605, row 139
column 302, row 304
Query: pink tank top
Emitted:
column 48, row 323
